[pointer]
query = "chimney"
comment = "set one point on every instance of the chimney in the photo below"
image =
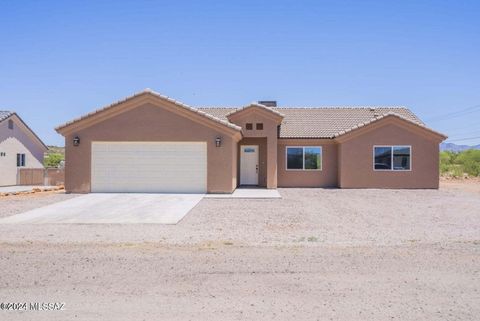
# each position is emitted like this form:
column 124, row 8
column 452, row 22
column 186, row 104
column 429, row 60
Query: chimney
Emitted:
column 268, row 103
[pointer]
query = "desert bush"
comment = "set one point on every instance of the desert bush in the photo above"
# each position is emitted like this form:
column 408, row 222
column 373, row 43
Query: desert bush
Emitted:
column 53, row 160
column 472, row 168
column 445, row 162
column 456, row 170
column 456, row 164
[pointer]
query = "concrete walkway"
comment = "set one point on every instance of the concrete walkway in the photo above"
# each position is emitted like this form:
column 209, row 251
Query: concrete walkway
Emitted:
column 112, row 208
column 248, row 193
column 22, row 188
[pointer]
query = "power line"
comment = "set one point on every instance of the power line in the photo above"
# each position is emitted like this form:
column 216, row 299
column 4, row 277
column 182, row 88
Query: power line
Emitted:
column 460, row 139
column 461, row 112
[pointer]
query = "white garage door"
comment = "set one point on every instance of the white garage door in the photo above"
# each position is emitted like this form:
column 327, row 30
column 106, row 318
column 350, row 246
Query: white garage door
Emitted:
column 149, row 167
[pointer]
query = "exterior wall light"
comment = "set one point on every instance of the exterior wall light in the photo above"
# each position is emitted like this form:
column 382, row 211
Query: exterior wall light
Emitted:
column 218, row 141
column 76, row 141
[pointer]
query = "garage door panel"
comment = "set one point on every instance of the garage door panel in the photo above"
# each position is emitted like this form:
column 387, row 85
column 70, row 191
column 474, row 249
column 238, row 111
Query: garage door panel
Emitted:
column 149, row 167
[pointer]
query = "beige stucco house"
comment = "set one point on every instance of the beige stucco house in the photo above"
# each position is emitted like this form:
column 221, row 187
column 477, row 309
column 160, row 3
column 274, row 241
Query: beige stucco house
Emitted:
column 152, row 143
column 20, row 148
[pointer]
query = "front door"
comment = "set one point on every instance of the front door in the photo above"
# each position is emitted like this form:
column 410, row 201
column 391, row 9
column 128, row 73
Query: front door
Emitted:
column 249, row 165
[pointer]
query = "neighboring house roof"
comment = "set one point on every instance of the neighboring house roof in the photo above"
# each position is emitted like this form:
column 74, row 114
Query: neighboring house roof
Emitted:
column 323, row 122
column 4, row 115
column 155, row 94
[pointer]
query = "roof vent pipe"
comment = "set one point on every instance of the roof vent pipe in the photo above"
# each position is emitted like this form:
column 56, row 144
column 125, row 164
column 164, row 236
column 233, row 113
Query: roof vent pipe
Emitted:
column 268, row 103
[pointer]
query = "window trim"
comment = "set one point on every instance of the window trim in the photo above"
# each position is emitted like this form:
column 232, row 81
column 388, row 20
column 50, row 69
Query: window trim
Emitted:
column 21, row 160
column 303, row 164
column 391, row 161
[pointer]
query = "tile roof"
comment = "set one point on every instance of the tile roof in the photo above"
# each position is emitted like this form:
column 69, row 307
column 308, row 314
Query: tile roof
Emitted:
column 323, row 122
column 269, row 109
column 151, row 92
column 5, row 114
column 298, row 122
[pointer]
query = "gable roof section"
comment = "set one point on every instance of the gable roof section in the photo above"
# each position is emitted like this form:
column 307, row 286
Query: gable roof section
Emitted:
column 4, row 115
column 275, row 113
column 384, row 117
column 60, row 129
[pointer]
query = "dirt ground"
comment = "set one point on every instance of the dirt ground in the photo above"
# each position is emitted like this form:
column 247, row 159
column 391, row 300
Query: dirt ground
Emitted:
column 316, row 254
column 15, row 204
column 470, row 185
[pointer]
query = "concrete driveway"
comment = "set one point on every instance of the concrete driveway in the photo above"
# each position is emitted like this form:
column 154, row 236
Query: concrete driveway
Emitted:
column 112, row 208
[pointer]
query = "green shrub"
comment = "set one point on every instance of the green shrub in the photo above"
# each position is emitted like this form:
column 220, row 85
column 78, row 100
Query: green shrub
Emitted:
column 446, row 158
column 456, row 171
column 52, row 160
column 472, row 168
column 444, row 168
column 456, row 164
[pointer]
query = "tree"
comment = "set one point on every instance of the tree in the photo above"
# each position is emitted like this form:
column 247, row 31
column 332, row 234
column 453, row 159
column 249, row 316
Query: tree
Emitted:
column 53, row 160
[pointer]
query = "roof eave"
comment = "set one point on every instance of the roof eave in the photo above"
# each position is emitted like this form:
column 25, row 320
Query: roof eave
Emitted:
column 342, row 134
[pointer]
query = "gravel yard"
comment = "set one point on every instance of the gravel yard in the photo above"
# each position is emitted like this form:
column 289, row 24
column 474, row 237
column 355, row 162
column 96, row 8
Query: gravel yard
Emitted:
column 154, row 282
column 316, row 254
column 302, row 216
column 16, row 204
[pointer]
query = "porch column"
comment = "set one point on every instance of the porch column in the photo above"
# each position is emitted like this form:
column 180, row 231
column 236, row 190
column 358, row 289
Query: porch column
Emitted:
column 272, row 161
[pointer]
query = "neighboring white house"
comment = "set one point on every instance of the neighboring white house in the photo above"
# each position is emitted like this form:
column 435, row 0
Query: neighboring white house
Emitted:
column 20, row 147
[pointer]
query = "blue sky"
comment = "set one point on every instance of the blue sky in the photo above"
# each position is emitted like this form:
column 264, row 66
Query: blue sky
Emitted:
column 59, row 60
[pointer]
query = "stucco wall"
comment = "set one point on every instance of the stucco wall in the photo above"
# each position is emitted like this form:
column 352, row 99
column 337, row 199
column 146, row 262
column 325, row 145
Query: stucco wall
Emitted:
column 327, row 177
column 150, row 122
column 356, row 159
column 13, row 142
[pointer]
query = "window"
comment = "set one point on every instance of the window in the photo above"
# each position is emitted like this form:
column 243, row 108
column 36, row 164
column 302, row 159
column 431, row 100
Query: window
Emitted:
column 249, row 126
column 294, row 158
column 383, row 158
column 10, row 124
column 304, row 158
column 20, row 160
column 392, row 158
column 259, row 126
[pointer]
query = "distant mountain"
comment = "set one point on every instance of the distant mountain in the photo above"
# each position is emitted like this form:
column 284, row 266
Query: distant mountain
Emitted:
column 451, row 147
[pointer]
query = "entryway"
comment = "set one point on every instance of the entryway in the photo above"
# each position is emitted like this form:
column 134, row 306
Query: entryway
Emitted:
column 249, row 165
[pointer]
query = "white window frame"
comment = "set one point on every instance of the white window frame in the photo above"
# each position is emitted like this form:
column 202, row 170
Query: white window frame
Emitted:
column 391, row 161
column 303, row 164
column 23, row 160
